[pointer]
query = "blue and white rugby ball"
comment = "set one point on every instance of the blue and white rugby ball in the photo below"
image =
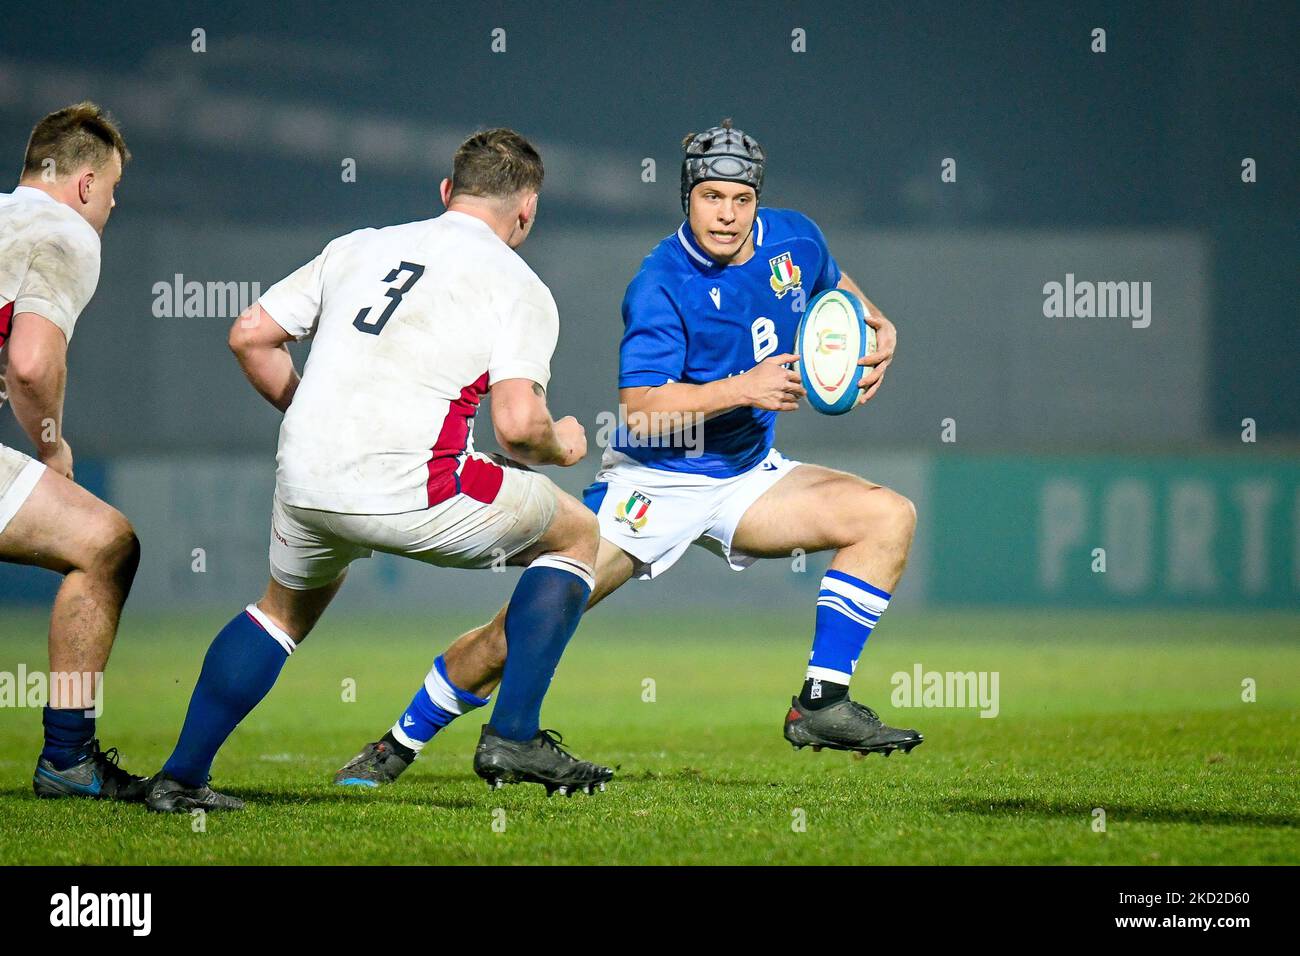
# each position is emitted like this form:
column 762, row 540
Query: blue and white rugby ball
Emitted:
column 833, row 335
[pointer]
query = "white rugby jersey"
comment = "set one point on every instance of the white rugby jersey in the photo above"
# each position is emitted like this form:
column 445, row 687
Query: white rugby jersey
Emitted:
column 49, row 263
column 410, row 326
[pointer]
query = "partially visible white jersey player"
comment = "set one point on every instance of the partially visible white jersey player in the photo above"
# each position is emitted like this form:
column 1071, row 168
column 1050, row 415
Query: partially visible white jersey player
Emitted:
column 412, row 325
column 50, row 228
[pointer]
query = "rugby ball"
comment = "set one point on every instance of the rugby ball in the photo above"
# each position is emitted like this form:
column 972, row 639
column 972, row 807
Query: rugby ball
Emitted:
column 833, row 335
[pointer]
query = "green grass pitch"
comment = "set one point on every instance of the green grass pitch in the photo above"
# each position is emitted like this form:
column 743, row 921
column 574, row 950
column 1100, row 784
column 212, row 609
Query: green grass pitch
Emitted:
column 1140, row 715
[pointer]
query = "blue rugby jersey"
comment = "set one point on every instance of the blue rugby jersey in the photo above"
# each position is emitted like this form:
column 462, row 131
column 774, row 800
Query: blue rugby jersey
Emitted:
column 687, row 319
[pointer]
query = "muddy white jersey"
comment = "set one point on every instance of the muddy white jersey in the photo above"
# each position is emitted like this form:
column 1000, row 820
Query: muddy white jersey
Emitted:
column 49, row 263
column 410, row 325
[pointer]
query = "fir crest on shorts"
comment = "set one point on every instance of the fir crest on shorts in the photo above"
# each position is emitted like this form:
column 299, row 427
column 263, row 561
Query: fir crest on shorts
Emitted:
column 633, row 511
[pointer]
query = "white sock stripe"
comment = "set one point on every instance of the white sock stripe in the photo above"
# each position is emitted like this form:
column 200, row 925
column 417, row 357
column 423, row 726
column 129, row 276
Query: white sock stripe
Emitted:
column 562, row 563
column 869, row 602
column 409, row 742
column 825, row 673
column 839, row 604
column 849, row 609
column 268, row 625
column 442, row 693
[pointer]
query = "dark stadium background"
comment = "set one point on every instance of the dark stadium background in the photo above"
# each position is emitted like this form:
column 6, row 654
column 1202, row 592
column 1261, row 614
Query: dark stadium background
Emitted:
column 1116, row 166
column 1147, row 712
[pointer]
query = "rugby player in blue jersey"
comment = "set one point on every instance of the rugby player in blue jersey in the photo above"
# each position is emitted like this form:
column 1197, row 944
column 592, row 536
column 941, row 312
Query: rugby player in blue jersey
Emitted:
column 709, row 330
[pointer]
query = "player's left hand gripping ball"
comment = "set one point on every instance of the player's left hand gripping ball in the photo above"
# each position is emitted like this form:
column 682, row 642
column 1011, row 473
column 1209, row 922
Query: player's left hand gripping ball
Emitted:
column 832, row 340
column 877, row 361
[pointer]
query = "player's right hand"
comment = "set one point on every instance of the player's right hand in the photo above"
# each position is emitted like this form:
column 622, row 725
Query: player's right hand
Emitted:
column 60, row 460
column 771, row 386
column 573, row 440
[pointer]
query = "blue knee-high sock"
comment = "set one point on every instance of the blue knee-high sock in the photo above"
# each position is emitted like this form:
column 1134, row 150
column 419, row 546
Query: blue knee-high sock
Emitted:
column 68, row 734
column 543, row 614
column 240, row 668
column 435, row 705
column 847, row 610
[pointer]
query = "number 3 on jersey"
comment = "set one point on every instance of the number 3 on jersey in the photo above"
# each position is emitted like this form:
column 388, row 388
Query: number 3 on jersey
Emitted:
column 374, row 327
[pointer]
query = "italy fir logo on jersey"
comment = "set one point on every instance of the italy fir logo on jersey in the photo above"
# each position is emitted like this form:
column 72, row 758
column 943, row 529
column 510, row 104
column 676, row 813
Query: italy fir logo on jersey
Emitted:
column 785, row 274
column 633, row 511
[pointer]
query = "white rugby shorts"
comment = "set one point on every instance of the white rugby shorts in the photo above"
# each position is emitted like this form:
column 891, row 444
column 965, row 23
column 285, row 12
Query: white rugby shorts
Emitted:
column 18, row 477
column 655, row 515
column 503, row 510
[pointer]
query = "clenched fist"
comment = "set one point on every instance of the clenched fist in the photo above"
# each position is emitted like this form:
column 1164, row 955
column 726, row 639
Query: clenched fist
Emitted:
column 572, row 438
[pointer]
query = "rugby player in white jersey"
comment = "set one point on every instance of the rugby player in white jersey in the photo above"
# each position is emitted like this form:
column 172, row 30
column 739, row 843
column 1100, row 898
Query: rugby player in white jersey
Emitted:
column 411, row 326
column 50, row 228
